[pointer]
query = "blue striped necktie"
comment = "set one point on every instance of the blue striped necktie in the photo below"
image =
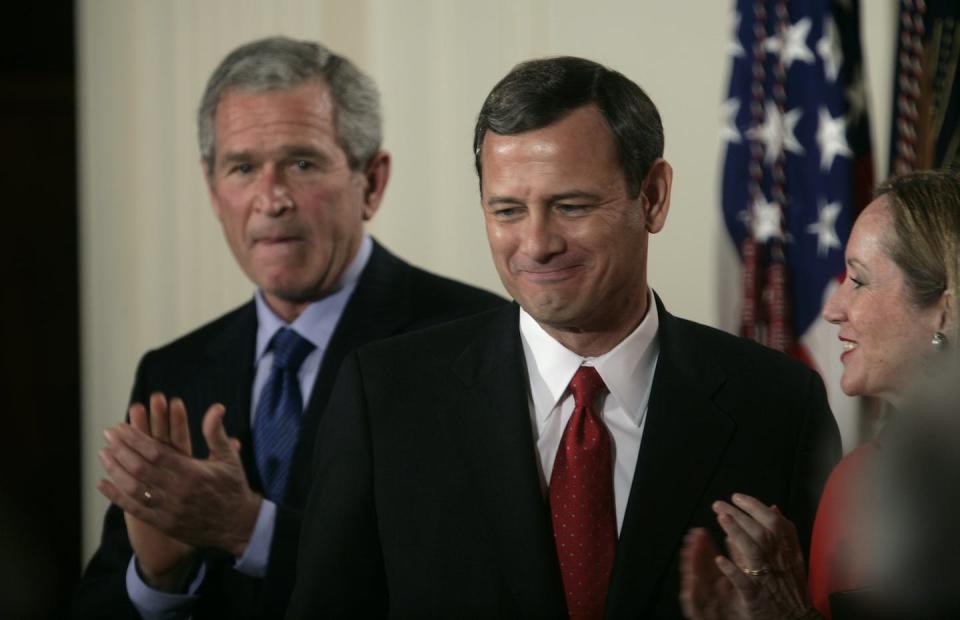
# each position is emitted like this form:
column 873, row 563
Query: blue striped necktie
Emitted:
column 276, row 424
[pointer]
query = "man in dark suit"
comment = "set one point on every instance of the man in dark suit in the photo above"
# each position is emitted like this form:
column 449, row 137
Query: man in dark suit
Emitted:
column 206, row 507
column 546, row 460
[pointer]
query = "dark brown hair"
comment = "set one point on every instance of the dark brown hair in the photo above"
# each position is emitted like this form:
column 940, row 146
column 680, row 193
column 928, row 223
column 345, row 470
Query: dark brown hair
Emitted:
column 537, row 93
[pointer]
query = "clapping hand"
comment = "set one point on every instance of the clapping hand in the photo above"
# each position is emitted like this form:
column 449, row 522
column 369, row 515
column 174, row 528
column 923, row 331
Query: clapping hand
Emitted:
column 764, row 577
column 172, row 502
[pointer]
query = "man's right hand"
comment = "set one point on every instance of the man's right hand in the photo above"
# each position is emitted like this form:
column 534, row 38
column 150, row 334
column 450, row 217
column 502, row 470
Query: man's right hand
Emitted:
column 163, row 562
column 201, row 502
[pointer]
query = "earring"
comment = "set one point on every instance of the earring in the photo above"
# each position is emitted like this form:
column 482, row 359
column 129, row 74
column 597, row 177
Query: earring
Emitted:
column 938, row 340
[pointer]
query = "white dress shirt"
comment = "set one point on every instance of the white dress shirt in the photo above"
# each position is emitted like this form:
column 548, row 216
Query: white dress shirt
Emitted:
column 627, row 370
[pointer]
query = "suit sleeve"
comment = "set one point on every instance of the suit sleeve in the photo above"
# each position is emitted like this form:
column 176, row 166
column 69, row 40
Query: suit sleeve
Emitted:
column 340, row 570
column 817, row 452
column 102, row 591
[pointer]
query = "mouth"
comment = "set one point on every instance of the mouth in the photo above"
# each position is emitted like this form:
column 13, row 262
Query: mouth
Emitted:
column 277, row 240
column 848, row 347
column 549, row 275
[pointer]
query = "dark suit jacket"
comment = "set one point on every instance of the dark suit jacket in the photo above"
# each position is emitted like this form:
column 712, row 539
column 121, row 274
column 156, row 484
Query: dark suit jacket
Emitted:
column 215, row 364
column 426, row 500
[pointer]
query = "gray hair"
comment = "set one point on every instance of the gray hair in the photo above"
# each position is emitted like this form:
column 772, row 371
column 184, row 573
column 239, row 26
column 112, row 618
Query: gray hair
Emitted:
column 279, row 63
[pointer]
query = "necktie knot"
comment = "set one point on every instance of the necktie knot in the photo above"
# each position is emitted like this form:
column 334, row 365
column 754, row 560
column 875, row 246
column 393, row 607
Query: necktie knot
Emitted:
column 290, row 349
column 586, row 386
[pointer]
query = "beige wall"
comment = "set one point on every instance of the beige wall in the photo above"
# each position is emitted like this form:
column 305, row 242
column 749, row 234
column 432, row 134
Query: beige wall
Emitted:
column 154, row 264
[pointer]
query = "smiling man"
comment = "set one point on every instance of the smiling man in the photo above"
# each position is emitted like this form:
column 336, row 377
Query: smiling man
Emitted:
column 546, row 459
column 207, row 487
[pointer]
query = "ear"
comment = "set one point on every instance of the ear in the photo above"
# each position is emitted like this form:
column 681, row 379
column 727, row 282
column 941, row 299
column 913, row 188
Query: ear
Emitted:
column 946, row 312
column 376, row 174
column 211, row 191
column 655, row 194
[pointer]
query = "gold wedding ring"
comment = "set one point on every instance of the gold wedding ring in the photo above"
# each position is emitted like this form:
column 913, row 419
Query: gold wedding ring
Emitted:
column 147, row 496
column 756, row 572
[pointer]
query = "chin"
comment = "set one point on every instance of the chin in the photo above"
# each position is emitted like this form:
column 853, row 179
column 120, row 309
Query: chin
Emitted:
column 850, row 387
column 549, row 310
column 290, row 291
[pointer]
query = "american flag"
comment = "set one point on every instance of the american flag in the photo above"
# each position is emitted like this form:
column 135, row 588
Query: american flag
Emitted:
column 797, row 169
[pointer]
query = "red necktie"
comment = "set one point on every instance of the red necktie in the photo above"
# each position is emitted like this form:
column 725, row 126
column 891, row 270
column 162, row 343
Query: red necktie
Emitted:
column 581, row 502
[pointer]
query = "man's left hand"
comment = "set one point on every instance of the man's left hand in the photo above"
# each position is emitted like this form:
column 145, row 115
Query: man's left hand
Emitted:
column 202, row 502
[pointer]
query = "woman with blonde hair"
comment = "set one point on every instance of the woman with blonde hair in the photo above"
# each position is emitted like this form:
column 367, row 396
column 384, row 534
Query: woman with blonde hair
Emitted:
column 898, row 316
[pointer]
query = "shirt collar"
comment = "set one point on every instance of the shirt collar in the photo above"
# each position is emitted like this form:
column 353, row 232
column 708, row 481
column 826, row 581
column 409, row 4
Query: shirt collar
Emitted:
column 318, row 320
column 627, row 369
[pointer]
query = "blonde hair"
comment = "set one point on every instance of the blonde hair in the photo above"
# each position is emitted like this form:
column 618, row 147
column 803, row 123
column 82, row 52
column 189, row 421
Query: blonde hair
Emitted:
column 925, row 241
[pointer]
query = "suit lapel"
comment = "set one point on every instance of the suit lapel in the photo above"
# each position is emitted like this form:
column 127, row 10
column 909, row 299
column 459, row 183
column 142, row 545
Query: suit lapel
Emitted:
column 490, row 423
column 380, row 307
column 230, row 380
column 683, row 441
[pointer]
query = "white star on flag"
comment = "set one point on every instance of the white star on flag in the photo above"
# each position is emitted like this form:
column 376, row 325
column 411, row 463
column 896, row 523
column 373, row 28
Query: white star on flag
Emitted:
column 829, row 49
column 734, row 48
column 825, row 228
column 832, row 139
column 778, row 132
column 792, row 44
column 764, row 219
column 728, row 124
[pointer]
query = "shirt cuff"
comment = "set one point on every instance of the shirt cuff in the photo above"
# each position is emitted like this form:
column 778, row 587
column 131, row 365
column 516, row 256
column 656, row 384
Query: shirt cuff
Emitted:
column 255, row 557
column 154, row 604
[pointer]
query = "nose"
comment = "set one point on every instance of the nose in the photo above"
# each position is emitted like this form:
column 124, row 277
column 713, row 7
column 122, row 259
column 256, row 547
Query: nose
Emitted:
column 271, row 194
column 835, row 310
column 541, row 240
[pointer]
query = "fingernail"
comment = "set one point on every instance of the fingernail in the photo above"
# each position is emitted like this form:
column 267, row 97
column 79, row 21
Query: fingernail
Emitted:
column 737, row 497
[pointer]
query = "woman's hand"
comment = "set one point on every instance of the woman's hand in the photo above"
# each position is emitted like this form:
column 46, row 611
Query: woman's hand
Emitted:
column 764, row 578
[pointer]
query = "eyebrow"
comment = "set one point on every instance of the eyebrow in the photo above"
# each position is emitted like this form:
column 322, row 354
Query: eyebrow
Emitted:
column 575, row 195
column 297, row 150
column 854, row 262
column 496, row 200
column 304, row 151
column 235, row 156
column 503, row 200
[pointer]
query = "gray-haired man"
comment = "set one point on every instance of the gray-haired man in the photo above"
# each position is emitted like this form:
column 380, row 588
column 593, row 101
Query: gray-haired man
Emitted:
column 206, row 506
